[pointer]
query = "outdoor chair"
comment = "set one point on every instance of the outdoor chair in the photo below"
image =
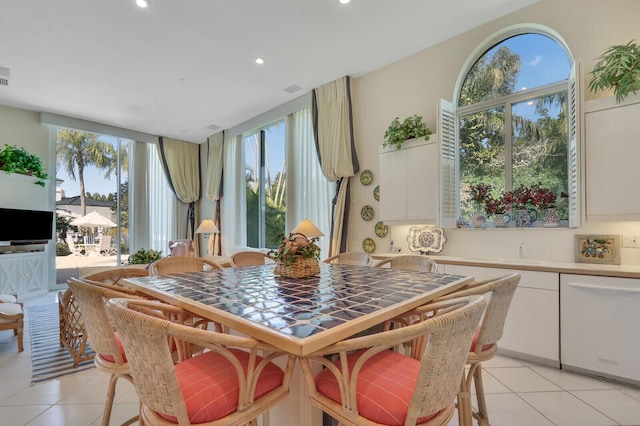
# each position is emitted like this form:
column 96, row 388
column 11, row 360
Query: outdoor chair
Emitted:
column 364, row 382
column 410, row 263
column 228, row 384
column 73, row 248
column 350, row 258
column 249, row 258
column 105, row 247
column 73, row 335
column 12, row 317
column 180, row 264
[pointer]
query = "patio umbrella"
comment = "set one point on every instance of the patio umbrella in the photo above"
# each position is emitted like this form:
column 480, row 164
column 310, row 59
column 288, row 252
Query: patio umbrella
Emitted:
column 93, row 219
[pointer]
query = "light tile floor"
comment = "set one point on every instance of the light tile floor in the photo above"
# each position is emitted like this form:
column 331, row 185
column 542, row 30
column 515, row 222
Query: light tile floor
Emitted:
column 518, row 393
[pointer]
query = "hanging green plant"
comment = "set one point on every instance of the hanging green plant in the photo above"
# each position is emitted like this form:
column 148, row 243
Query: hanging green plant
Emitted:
column 19, row 160
column 619, row 69
column 410, row 128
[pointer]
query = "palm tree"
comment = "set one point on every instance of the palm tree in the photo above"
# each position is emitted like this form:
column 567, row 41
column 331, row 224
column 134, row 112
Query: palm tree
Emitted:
column 76, row 150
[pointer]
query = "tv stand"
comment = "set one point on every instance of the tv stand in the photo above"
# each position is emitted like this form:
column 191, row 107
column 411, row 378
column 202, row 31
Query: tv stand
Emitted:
column 23, row 273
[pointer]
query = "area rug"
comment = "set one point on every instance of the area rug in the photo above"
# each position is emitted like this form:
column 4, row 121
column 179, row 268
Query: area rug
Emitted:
column 48, row 359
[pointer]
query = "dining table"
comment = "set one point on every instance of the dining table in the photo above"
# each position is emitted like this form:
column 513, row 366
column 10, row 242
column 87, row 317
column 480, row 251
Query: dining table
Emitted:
column 299, row 315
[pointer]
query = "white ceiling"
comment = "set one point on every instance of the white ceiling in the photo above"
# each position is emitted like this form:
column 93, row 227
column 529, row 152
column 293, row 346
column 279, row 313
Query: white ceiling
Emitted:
column 181, row 66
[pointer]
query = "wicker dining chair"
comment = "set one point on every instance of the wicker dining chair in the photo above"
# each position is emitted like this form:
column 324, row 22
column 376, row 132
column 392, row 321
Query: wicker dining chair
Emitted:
column 369, row 384
column 73, row 335
column 180, row 264
column 500, row 293
column 350, row 258
column 12, row 317
column 110, row 358
column 249, row 258
column 410, row 263
column 228, row 384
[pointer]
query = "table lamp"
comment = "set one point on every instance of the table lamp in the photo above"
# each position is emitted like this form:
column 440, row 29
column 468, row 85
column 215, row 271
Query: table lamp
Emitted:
column 308, row 229
column 207, row 227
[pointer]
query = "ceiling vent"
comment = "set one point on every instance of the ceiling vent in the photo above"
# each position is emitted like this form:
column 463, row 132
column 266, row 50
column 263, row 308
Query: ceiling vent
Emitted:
column 293, row 88
column 213, row 127
column 4, row 76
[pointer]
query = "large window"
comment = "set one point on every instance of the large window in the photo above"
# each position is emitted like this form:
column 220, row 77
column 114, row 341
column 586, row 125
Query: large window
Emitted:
column 266, row 173
column 513, row 114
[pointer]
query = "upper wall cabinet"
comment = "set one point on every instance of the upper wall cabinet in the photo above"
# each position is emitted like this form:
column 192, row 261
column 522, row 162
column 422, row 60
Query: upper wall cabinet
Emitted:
column 612, row 135
column 409, row 182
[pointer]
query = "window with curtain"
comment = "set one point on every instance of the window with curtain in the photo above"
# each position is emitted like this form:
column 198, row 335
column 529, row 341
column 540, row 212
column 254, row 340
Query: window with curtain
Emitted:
column 266, row 182
column 291, row 182
column 514, row 115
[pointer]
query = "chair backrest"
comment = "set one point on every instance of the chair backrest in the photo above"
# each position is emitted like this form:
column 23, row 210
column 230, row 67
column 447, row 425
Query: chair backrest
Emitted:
column 410, row 263
column 248, row 258
column 182, row 247
column 91, row 299
column 499, row 293
column 113, row 276
column 105, row 243
column 72, row 245
column 350, row 258
column 445, row 335
column 144, row 337
column 180, row 264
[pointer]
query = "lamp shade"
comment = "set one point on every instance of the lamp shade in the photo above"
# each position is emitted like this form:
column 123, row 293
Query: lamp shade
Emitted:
column 308, row 229
column 207, row 227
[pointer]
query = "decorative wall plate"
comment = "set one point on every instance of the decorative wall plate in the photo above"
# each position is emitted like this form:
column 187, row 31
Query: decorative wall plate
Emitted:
column 368, row 245
column 366, row 212
column 376, row 193
column 366, row 177
column 381, row 229
column 427, row 239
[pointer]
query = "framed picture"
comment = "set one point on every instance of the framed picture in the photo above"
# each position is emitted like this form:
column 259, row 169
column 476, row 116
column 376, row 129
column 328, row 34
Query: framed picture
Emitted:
column 603, row 249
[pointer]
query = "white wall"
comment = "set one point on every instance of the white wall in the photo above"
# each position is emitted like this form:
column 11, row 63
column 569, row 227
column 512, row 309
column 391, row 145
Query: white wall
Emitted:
column 413, row 86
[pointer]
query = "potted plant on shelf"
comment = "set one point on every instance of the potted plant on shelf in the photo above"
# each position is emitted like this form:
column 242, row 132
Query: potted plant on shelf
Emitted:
column 19, row 160
column 521, row 201
column 297, row 257
column 497, row 208
column 411, row 128
column 618, row 68
column 545, row 200
column 143, row 256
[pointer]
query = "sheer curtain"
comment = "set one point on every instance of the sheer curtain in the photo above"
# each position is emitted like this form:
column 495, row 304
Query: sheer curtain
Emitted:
column 308, row 191
column 155, row 212
column 233, row 203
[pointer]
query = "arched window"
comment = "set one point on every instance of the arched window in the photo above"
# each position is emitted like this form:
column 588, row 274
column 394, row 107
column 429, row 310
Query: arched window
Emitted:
column 514, row 108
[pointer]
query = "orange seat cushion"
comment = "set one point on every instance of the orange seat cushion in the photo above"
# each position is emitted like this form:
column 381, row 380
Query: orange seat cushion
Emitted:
column 209, row 385
column 475, row 341
column 384, row 389
column 112, row 359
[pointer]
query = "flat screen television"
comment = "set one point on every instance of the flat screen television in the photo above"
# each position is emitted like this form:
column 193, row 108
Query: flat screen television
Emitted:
column 25, row 226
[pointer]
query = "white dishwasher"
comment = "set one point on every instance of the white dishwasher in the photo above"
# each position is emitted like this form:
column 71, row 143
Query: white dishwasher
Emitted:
column 600, row 326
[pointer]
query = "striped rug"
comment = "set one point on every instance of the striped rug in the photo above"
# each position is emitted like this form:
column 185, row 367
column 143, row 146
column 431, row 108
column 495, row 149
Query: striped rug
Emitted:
column 48, row 359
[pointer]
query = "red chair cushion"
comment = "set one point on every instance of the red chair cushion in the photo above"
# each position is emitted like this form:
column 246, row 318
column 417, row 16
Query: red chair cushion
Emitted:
column 475, row 340
column 209, row 385
column 384, row 389
column 112, row 359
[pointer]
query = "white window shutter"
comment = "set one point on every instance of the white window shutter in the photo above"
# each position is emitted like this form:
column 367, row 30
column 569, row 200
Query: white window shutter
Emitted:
column 573, row 147
column 446, row 129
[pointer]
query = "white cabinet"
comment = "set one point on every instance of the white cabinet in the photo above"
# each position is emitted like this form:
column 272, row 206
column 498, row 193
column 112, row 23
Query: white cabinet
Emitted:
column 409, row 182
column 532, row 328
column 612, row 150
column 24, row 274
column 600, row 330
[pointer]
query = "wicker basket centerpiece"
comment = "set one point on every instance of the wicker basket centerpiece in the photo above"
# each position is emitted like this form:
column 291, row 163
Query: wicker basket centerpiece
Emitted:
column 297, row 257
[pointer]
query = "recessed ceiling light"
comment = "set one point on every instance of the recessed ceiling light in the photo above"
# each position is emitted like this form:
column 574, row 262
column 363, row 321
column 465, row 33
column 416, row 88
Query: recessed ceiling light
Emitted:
column 143, row 3
column 345, row 1
column 259, row 61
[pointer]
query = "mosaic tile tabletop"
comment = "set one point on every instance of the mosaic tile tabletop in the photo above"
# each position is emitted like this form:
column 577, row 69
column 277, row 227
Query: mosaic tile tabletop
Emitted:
column 300, row 307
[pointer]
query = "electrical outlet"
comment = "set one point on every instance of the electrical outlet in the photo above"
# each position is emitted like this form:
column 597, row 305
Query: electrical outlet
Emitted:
column 630, row 241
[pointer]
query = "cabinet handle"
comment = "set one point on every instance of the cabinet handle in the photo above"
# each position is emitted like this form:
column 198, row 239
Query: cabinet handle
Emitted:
column 604, row 287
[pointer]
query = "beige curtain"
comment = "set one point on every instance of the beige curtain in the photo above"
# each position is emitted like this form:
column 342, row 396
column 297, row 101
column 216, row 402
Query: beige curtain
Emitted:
column 181, row 164
column 214, row 188
column 335, row 143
